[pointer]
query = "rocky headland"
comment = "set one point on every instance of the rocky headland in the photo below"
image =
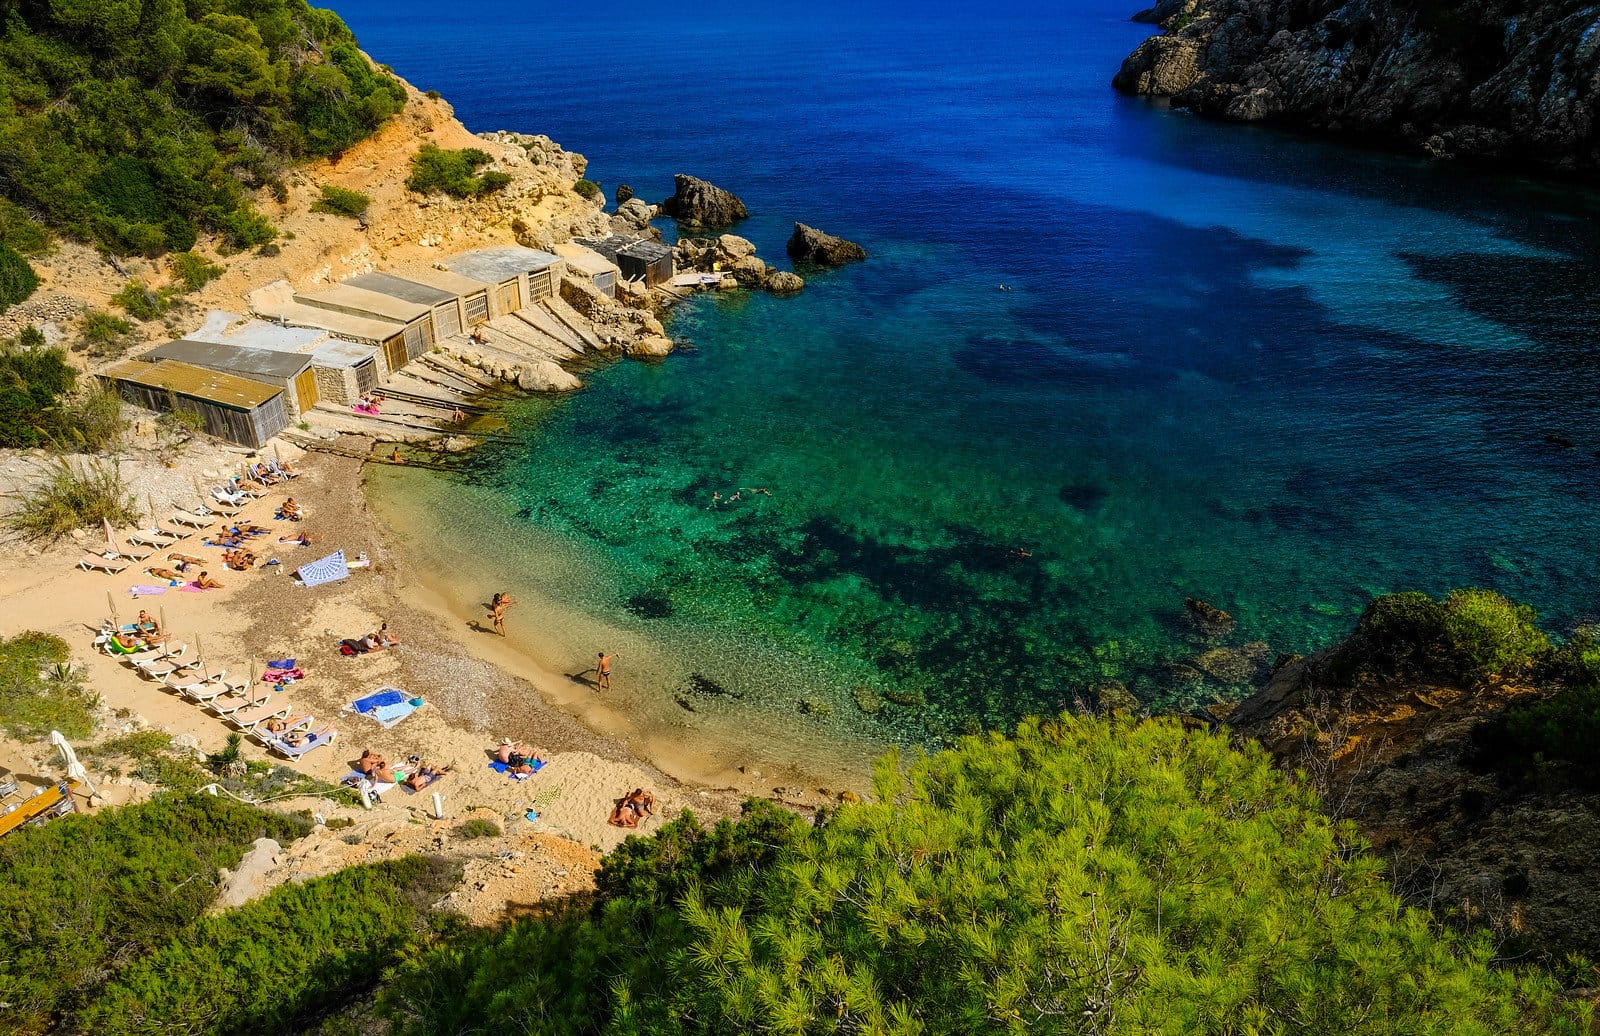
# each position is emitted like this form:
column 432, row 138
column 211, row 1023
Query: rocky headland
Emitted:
column 1496, row 82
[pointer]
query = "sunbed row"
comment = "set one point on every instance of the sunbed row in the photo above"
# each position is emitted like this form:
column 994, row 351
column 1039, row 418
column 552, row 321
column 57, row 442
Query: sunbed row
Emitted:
column 224, row 500
column 262, row 719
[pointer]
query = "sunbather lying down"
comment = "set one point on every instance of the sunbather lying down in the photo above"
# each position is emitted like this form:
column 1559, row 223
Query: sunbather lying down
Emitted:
column 423, row 775
column 186, row 559
column 166, row 573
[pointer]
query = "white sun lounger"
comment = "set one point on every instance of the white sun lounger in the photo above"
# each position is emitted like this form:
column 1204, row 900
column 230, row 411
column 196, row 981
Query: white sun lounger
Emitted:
column 131, row 553
column 260, row 734
column 156, row 537
column 110, row 566
column 246, row 718
column 197, row 521
column 198, row 686
column 167, row 665
column 313, row 740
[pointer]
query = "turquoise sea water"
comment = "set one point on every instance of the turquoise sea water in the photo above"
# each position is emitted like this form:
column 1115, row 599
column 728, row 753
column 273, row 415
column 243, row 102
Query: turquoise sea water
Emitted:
column 1276, row 374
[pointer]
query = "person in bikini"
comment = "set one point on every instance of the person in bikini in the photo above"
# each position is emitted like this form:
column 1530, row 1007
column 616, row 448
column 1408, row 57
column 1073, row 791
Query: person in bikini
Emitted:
column 424, row 776
column 166, row 573
column 498, row 604
column 205, row 582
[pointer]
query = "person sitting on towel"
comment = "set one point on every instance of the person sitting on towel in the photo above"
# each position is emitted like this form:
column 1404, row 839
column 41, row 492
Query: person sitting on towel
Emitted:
column 289, row 509
column 370, row 762
column 205, row 582
column 379, row 639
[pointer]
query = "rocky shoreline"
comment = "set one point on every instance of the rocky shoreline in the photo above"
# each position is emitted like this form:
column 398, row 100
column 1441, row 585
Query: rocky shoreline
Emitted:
column 1496, row 83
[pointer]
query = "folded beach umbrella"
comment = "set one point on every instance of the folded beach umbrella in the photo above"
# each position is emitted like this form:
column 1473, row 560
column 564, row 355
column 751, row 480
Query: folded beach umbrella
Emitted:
column 69, row 758
column 325, row 570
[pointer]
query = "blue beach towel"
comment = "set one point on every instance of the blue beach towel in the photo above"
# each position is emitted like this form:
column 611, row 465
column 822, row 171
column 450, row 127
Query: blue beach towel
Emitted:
column 282, row 663
column 389, row 715
column 377, row 699
column 499, row 767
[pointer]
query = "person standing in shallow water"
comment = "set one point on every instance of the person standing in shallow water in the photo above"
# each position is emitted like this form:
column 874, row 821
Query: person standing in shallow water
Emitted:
column 499, row 604
column 602, row 669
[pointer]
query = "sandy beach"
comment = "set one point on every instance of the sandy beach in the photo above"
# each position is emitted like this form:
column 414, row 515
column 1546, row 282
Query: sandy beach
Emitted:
column 477, row 687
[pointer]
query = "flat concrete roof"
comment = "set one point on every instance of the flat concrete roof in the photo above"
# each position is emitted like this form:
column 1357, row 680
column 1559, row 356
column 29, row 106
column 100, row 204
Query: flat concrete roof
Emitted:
column 226, row 328
column 585, row 260
column 444, row 280
column 649, row 251
column 276, row 301
column 493, row 265
column 186, row 379
column 270, row 365
column 368, row 303
column 337, row 352
column 400, row 288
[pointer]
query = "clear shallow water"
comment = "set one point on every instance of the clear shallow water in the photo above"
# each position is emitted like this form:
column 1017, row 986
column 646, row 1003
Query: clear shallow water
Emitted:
column 1272, row 373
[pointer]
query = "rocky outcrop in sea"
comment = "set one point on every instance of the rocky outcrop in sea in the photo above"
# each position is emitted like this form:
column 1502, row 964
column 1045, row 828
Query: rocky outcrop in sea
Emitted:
column 1496, row 81
column 735, row 258
column 699, row 203
column 810, row 245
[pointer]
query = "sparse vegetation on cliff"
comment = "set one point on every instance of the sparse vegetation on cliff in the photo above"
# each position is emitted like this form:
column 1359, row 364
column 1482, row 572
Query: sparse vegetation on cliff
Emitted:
column 1469, row 636
column 341, row 202
column 138, row 125
column 437, row 170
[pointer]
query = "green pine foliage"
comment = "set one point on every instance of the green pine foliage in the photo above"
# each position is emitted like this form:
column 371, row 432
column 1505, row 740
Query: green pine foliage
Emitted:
column 1084, row 876
column 436, row 170
column 193, row 271
column 1468, row 637
column 587, row 189
column 22, row 232
column 85, row 894
column 286, row 960
column 17, row 279
column 140, row 302
column 40, row 691
column 138, row 123
column 341, row 201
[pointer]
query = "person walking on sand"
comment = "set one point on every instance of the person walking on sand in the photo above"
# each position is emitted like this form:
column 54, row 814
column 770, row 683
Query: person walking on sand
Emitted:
column 602, row 670
column 499, row 604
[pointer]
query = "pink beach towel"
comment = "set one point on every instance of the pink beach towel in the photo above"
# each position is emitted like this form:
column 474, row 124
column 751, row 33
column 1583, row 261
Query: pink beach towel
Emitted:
column 192, row 588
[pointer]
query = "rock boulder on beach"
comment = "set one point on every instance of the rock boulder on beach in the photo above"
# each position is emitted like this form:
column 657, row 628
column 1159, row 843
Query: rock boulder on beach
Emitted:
column 782, row 282
column 696, row 202
column 808, row 244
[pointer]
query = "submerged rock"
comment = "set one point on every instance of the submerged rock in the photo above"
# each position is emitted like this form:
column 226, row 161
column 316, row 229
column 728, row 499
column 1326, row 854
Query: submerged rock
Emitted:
column 808, row 244
column 697, row 202
column 867, row 699
column 1208, row 618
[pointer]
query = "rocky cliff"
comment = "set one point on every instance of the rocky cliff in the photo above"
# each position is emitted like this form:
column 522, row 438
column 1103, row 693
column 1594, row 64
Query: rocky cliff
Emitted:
column 1402, row 758
column 1504, row 81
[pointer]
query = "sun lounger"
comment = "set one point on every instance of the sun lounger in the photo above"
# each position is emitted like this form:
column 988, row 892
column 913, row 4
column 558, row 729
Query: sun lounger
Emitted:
column 110, row 566
column 232, row 699
column 313, row 740
column 131, row 553
column 246, row 718
column 153, row 538
column 189, row 518
column 197, row 685
column 168, row 664
column 260, row 734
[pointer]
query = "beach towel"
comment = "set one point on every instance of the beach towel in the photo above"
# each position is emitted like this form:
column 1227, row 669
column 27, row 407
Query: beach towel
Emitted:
column 382, row 696
column 282, row 676
column 192, row 588
column 325, row 570
column 351, row 648
column 146, row 590
column 499, row 767
column 282, row 663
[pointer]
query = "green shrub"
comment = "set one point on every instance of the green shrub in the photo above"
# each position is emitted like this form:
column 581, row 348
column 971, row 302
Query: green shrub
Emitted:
column 435, row 170
column 587, row 188
column 33, row 383
column 17, row 279
column 341, row 202
column 1553, row 743
column 140, row 302
column 22, row 232
column 476, row 827
column 75, row 496
column 85, row 894
column 96, row 417
column 1084, row 876
column 39, row 689
column 194, row 271
column 282, row 962
column 101, row 333
column 245, row 228
column 1470, row 636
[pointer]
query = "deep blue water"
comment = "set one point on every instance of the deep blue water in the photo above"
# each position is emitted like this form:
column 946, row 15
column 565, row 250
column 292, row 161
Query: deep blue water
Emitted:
column 1278, row 374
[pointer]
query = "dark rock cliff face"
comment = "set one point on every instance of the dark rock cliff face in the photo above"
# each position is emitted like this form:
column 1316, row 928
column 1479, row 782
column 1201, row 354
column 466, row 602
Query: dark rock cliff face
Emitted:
column 1504, row 81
